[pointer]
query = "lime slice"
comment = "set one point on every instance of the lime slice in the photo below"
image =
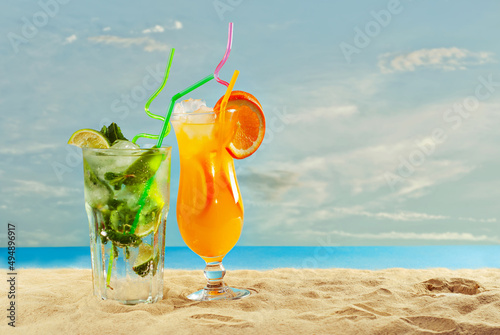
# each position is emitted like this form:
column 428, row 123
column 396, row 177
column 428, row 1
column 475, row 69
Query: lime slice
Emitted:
column 143, row 261
column 89, row 138
column 148, row 222
column 144, row 229
column 150, row 215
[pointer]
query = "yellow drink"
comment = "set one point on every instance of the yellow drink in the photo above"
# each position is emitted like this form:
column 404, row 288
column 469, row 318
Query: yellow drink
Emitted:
column 209, row 205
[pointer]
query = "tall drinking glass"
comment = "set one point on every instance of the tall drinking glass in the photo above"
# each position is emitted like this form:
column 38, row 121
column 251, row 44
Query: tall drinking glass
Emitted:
column 209, row 205
column 127, row 195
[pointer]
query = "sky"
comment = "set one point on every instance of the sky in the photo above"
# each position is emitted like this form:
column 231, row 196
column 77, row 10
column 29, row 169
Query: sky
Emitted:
column 382, row 116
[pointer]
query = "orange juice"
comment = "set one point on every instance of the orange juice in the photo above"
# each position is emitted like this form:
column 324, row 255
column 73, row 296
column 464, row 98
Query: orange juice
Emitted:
column 209, row 205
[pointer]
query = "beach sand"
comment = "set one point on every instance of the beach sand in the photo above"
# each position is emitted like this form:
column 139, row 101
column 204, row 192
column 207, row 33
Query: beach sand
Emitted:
column 287, row 301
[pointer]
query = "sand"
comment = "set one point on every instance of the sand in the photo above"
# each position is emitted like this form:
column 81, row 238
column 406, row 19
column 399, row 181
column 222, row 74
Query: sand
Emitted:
column 287, row 301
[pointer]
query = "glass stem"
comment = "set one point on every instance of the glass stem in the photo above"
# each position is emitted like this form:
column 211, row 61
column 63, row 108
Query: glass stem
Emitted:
column 214, row 272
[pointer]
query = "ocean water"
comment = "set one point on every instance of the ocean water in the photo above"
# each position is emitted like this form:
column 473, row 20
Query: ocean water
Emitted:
column 265, row 258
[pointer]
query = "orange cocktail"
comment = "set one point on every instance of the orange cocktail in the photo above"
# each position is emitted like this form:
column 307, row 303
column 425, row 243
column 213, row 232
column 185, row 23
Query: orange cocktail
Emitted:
column 209, row 206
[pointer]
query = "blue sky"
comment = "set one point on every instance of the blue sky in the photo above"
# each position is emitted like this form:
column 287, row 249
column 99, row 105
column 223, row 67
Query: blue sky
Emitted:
column 394, row 143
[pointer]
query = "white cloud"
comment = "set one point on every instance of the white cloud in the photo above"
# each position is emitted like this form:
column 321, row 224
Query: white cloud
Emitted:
column 401, row 216
column 70, row 39
column 364, row 169
column 489, row 220
column 435, row 172
column 446, row 236
column 397, row 216
column 106, row 29
column 174, row 25
column 22, row 149
column 148, row 43
column 42, row 237
column 448, row 59
column 324, row 113
column 155, row 29
column 177, row 25
column 342, row 164
column 32, row 187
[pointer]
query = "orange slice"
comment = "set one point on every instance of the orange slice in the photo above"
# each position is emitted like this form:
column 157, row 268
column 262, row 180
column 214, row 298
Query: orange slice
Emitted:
column 197, row 191
column 250, row 123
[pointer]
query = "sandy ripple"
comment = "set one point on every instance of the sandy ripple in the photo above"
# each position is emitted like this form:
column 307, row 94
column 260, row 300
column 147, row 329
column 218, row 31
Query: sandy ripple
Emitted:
column 288, row 301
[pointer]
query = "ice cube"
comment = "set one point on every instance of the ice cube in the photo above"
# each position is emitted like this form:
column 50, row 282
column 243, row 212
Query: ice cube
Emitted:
column 130, row 196
column 97, row 192
column 189, row 106
column 122, row 144
column 97, row 196
column 204, row 109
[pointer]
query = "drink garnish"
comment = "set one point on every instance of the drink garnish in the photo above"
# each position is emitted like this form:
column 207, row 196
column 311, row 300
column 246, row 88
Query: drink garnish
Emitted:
column 112, row 133
column 89, row 138
column 250, row 123
column 142, row 264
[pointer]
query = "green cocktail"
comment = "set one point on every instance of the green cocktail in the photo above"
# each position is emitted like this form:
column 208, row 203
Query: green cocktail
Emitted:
column 127, row 193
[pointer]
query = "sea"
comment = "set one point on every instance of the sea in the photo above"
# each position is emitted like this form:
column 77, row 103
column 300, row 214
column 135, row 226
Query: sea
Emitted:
column 266, row 258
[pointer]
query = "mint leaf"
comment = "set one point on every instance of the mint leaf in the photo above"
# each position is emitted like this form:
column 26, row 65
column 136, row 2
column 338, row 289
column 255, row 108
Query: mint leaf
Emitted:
column 123, row 239
column 112, row 133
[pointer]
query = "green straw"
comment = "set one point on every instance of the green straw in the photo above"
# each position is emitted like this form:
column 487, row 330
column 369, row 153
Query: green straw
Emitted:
column 142, row 199
column 164, row 132
column 152, row 97
column 166, row 126
column 110, row 265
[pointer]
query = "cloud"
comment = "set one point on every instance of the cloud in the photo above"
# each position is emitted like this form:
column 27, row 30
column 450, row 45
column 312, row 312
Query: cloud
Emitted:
column 269, row 185
column 174, row 25
column 32, row 148
column 106, row 29
column 42, row 237
column 32, row 187
column 70, row 39
column 489, row 220
column 365, row 169
column 447, row 59
column 397, row 216
column 401, row 216
column 155, row 29
column 446, row 236
column 435, row 172
column 127, row 42
column 177, row 25
column 324, row 113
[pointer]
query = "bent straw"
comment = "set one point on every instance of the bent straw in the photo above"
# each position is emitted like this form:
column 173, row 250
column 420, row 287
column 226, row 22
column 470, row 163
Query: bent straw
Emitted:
column 226, row 55
column 229, row 89
column 166, row 126
column 164, row 132
column 152, row 97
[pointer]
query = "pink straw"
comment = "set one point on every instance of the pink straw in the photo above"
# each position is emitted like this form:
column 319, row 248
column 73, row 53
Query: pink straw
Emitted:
column 226, row 55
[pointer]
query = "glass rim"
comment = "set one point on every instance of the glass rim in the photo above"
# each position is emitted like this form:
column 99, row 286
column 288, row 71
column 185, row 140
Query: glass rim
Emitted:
column 125, row 152
column 191, row 113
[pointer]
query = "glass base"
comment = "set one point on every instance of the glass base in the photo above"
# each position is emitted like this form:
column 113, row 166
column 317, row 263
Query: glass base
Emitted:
column 150, row 300
column 224, row 293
